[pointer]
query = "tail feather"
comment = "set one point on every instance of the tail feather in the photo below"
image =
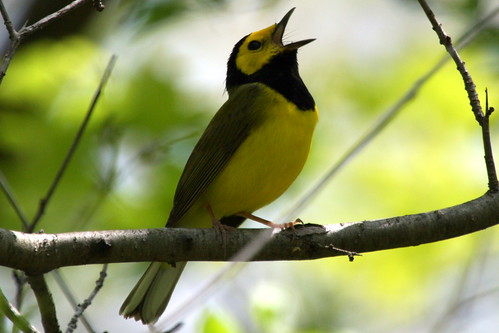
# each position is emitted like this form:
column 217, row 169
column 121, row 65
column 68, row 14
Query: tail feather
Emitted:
column 150, row 296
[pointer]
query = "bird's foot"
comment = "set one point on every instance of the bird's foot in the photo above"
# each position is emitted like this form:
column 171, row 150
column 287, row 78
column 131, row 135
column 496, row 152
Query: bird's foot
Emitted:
column 282, row 226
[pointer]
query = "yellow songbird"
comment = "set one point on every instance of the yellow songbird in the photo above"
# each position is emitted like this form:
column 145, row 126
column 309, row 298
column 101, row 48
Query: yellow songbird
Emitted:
column 250, row 153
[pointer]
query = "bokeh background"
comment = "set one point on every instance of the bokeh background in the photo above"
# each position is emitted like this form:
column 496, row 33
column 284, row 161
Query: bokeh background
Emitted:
column 169, row 81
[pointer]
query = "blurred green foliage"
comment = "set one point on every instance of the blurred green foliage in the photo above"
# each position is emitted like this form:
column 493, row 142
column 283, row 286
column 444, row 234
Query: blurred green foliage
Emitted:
column 125, row 170
column 215, row 323
column 41, row 111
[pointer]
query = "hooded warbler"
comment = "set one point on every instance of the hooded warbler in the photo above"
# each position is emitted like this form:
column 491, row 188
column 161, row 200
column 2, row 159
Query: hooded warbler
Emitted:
column 250, row 153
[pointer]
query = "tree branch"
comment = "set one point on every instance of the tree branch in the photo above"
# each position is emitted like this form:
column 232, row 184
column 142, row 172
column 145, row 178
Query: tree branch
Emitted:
column 45, row 303
column 446, row 41
column 28, row 30
column 70, row 297
column 5, row 187
column 15, row 40
column 80, row 308
column 40, row 253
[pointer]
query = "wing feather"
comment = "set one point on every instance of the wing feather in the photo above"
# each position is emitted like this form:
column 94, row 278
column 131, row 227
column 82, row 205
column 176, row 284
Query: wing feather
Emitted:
column 228, row 129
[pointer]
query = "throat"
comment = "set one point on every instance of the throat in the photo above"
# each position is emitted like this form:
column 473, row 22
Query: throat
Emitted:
column 291, row 86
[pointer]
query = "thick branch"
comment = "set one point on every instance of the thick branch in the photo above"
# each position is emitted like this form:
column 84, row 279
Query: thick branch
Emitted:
column 40, row 253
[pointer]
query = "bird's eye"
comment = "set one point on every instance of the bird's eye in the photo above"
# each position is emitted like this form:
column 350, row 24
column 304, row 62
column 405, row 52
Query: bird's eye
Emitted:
column 254, row 45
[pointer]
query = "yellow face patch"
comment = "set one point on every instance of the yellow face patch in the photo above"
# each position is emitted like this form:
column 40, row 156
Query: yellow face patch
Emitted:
column 257, row 50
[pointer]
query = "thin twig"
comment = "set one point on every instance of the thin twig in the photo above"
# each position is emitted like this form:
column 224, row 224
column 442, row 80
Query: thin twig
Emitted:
column 70, row 297
column 481, row 117
column 45, row 200
column 487, row 146
column 476, row 28
column 17, row 36
column 4, row 185
column 20, row 281
column 25, row 31
column 446, row 41
column 81, row 307
column 7, row 21
column 469, row 282
column 15, row 40
column 45, row 303
column 464, row 302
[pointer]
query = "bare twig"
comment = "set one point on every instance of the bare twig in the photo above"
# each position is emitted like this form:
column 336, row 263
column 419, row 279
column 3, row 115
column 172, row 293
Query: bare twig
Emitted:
column 8, row 23
column 4, row 185
column 45, row 303
column 476, row 28
column 28, row 30
column 481, row 117
column 17, row 36
column 470, row 281
column 70, row 297
column 20, row 281
column 446, row 41
column 487, row 146
column 45, row 200
column 81, row 307
column 493, row 292
column 15, row 40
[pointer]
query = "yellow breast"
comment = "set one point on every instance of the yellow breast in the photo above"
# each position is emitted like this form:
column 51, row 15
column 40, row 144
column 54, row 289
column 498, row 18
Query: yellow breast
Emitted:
column 267, row 162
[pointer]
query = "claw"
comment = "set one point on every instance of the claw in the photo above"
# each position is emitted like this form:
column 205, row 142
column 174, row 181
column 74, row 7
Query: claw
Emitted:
column 282, row 226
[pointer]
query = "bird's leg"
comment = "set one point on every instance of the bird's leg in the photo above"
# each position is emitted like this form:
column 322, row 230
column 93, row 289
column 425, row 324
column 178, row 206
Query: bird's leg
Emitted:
column 216, row 223
column 220, row 227
column 268, row 223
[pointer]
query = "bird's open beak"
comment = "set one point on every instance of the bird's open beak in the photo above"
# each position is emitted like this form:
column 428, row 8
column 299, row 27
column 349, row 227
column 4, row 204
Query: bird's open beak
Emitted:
column 279, row 32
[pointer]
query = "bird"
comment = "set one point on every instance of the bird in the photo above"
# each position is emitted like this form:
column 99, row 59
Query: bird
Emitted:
column 249, row 154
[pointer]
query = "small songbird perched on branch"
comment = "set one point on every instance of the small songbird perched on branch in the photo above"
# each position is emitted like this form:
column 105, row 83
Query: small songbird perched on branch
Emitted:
column 250, row 153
